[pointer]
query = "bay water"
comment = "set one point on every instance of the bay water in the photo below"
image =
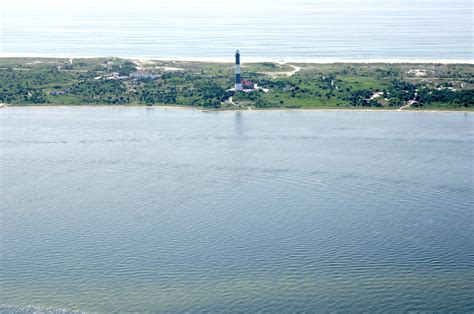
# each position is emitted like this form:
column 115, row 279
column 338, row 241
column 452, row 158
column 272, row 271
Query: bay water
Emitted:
column 136, row 209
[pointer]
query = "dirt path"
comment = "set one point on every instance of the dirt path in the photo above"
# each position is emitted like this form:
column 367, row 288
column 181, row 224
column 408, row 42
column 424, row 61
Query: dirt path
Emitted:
column 231, row 101
column 411, row 102
column 283, row 73
column 404, row 107
column 295, row 70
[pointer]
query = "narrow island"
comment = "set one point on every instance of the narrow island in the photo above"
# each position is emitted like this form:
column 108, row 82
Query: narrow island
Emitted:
column 209, row 85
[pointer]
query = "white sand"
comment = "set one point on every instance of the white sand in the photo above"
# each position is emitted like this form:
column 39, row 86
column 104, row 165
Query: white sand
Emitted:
column 230, row 59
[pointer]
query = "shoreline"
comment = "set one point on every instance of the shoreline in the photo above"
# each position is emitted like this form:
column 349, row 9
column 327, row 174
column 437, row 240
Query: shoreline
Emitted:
column 177, row 107
column 249, row 59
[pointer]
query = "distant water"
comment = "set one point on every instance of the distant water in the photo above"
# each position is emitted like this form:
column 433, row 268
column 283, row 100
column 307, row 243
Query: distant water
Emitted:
column 324, row 30
column 136, row 209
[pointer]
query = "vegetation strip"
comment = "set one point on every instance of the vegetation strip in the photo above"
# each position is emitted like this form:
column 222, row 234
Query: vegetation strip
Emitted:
column 106, row 81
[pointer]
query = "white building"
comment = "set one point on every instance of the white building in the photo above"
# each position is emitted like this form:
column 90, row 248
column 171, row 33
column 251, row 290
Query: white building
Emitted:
column 140, row 74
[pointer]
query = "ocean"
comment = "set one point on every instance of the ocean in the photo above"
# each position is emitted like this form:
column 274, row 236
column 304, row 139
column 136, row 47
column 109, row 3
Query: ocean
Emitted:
column 175, row 210
column 325, row 30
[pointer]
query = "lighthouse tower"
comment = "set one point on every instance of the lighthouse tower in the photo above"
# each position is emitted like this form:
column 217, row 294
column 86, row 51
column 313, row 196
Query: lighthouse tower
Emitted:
column 238, row 80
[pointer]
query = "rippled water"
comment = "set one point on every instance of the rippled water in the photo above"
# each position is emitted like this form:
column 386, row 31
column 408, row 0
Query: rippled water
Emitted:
column 134, row 209
column 405, row 30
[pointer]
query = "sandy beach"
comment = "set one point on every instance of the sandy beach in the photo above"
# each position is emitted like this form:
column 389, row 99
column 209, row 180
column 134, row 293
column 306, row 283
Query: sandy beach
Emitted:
column 247, row 59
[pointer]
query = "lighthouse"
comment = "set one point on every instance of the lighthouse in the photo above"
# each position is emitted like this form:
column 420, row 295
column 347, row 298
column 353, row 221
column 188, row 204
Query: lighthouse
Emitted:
column 238, row 80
